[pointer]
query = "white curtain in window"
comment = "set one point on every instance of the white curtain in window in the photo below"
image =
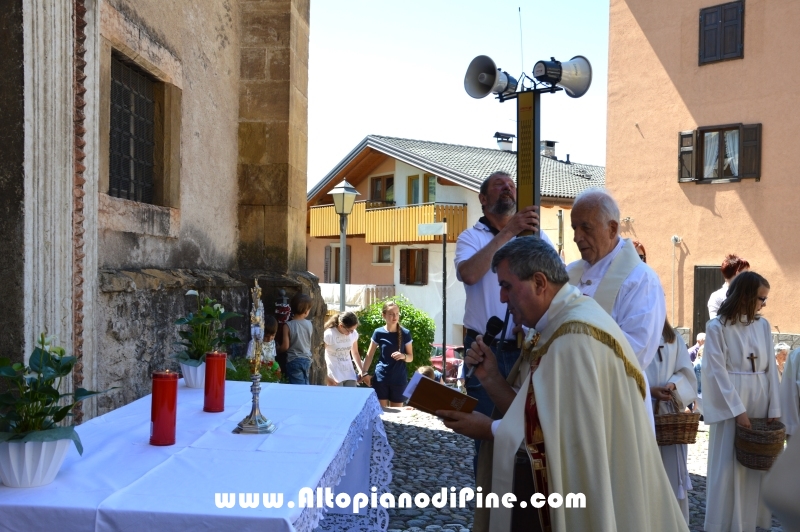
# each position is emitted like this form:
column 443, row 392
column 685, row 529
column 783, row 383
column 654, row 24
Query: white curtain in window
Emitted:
column 732, row 151
column 710, row 161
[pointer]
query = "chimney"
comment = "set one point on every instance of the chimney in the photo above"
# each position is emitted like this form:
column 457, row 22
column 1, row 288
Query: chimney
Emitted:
column 505, row 141
column 548, row 148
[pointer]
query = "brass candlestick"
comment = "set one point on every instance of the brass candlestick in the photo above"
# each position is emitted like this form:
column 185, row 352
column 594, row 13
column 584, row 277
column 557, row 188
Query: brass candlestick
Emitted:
column 255, row 422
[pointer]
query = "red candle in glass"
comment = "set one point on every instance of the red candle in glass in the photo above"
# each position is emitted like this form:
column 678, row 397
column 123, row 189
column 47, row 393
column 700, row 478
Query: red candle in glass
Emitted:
column 215, row 382
column 164, row 408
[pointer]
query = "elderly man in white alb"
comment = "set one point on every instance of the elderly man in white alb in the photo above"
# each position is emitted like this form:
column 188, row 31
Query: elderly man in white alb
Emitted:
column 611, row 272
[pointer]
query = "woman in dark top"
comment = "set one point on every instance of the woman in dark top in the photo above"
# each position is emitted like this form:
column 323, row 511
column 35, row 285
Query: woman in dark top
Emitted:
column 394, row 342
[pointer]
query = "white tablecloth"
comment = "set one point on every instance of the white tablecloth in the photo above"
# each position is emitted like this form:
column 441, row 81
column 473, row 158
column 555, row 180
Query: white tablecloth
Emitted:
column 326, row 437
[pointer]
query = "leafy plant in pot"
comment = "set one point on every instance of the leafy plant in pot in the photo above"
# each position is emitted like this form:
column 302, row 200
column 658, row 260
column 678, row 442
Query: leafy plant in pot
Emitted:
column 205, row 332
column 32, row 443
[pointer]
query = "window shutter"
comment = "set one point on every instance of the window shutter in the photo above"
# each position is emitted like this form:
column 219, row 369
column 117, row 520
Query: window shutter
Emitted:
column 687, row 170
column 731, row 41
column 424, row 265
column 750, row 151
column 326, row 276
column 347, row 266
column 403, row 266
column 710, row 35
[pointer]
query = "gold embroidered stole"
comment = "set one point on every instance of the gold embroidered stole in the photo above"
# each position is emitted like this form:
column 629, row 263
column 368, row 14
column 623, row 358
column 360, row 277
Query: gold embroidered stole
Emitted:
column 534, row 445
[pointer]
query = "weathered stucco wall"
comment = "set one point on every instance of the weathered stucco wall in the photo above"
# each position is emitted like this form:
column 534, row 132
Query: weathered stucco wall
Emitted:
column 138, row 308
column 203, row 38
column 656, row 89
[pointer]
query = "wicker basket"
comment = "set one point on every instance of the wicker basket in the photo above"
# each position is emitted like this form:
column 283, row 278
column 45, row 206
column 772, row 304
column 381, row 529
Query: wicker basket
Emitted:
column 677, row 428
column 759, row 446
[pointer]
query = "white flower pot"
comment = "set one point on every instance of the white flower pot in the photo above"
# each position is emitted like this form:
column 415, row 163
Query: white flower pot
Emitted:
column 31, row 464
column 194, row 376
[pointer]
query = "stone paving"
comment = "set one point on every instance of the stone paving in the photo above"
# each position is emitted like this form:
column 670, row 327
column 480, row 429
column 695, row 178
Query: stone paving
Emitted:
column 429, row 456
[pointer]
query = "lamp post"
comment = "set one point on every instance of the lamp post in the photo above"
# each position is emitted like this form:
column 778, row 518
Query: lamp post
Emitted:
column 344, row 195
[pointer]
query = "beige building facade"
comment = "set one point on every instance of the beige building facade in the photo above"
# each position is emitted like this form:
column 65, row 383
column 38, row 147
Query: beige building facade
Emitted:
column 702, row 126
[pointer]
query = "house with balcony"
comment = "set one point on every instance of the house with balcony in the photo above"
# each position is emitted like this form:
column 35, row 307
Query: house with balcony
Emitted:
column 404, row 183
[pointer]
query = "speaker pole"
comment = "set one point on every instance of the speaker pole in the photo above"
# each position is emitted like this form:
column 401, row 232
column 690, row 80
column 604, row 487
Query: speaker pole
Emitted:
column 528, row 151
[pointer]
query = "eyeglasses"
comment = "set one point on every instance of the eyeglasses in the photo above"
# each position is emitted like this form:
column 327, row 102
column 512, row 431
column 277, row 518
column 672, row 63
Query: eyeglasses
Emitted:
column 763, row 300
column 349, row 329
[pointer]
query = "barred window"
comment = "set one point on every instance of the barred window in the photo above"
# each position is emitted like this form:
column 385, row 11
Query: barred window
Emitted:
column 132, row 143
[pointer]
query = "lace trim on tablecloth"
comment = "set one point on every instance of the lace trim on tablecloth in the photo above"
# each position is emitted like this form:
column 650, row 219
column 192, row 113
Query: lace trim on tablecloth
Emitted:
column 380, row 475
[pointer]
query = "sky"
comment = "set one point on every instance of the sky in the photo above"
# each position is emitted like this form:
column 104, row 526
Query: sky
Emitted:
column 396, row 68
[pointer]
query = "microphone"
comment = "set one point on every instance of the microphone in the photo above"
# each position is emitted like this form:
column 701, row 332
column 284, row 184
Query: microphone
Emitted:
column 493, row 327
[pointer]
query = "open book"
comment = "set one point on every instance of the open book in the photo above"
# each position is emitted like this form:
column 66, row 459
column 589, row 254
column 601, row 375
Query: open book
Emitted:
column 429, row 396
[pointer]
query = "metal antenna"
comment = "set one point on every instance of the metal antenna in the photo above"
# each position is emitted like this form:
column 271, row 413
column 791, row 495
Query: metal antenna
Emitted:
column 521, row 55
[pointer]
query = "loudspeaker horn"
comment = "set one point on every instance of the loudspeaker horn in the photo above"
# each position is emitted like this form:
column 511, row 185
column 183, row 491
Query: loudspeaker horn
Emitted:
column 483, row 77
column 576, row 76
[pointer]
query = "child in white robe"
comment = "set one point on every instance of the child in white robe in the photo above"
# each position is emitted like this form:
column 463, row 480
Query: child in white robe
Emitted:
column 740, row 382
column 790, row 394
column 671, row 374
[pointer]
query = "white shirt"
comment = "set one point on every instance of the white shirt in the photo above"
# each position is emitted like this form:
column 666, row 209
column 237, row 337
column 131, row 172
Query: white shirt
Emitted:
column 337, row 354
column 483, row 297
column 715, row 301
column 640, row 307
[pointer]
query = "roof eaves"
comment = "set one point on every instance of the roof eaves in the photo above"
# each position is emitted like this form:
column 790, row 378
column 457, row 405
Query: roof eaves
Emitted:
column 338, row 168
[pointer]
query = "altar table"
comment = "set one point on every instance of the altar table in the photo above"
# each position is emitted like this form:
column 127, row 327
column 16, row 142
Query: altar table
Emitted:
column 326, row 437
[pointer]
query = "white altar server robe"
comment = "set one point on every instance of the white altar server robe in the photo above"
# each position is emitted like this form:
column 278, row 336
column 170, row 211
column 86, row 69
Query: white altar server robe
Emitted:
column 790, row 394
column 731, row 387
column 673, row 364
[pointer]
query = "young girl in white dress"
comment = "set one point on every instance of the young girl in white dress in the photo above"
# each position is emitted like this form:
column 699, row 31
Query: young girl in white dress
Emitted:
column 740, row 382
column 341, row 350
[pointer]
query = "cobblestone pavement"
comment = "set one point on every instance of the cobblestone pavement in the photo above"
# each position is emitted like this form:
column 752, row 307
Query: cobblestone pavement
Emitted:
column 428, row 456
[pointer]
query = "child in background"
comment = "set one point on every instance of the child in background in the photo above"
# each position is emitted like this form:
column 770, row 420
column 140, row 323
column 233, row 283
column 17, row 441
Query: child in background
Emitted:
column 395, row 351
column 430, row 372
column 270, row 330
column 740, row 382
column 296, row 340
column 341, row 350
column 267, row 342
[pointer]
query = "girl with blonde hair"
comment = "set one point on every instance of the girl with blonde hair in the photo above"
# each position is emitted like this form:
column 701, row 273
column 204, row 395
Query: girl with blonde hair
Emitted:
column 394, row 343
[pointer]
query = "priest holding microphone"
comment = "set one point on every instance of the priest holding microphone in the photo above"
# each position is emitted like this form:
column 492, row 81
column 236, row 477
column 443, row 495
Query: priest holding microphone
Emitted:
column 476, row 246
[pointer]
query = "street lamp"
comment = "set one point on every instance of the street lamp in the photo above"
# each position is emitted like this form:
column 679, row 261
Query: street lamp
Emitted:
column 484, row 78
column 344, row 195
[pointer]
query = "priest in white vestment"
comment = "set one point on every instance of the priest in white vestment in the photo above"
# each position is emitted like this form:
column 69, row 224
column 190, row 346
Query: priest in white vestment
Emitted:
column 740, row 382
column 611, row 272
column 671, row 375
column 790, row 394
column 574, row 402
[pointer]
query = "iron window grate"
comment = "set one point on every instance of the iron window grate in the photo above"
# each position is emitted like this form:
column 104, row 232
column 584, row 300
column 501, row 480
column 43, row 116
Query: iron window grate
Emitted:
column 132, row 130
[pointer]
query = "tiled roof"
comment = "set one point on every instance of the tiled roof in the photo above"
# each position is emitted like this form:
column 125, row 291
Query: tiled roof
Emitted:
column 469, row 166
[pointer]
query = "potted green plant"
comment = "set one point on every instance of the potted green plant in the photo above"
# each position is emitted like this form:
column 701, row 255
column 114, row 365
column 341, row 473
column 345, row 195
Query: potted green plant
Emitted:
column 33, row 442
column 205, row 332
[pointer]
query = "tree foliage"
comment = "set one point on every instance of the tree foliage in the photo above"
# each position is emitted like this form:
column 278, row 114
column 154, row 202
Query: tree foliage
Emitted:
column 420, row 325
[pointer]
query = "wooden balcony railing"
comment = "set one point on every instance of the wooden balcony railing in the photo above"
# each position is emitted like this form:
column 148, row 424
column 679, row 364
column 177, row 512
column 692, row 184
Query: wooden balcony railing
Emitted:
column 324, row 222
column 398, row 225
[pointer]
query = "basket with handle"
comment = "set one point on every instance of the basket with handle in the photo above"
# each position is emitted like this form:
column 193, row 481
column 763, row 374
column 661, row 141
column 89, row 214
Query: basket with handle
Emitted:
column 759, row 446
column 675, row 428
